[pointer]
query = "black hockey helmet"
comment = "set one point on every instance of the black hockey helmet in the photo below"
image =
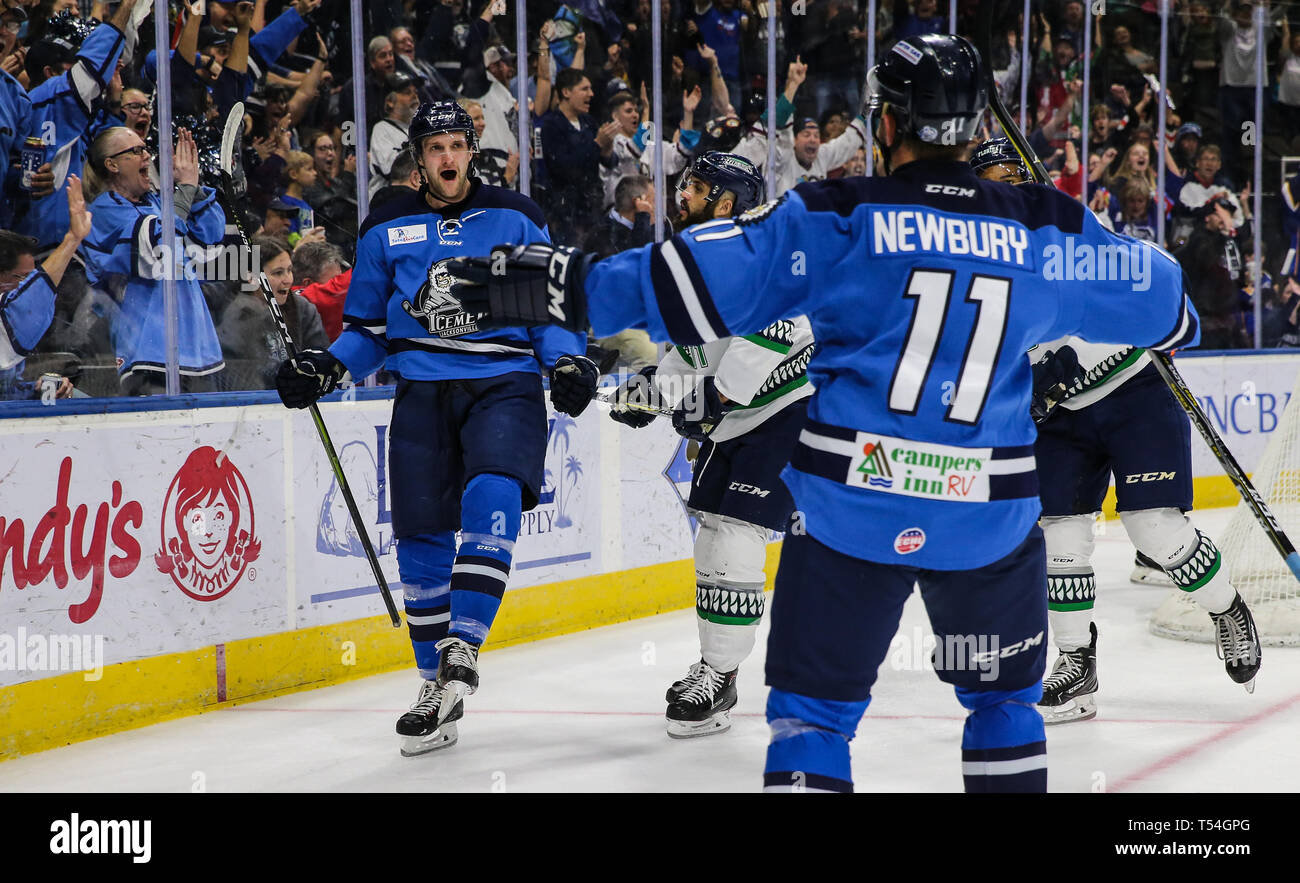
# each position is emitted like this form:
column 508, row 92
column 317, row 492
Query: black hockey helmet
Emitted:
column 437, row 118
column 996, row 152
column 935, row 86
column 723, row 172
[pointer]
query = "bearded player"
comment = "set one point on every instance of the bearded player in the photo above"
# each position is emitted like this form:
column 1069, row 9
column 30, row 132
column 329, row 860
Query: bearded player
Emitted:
column 469, row 419
column 744, row 400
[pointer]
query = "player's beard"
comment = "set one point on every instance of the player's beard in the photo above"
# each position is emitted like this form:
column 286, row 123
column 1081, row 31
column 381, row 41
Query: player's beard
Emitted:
column 448, row 191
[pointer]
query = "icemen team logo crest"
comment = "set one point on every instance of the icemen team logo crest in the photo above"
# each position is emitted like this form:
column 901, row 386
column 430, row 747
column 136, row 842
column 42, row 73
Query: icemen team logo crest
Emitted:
column 437, row 309
column 208, row 534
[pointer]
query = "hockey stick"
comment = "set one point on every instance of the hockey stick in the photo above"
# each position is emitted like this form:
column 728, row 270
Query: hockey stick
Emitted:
column 1164, row 363
column 611, row 399
column 226, row 195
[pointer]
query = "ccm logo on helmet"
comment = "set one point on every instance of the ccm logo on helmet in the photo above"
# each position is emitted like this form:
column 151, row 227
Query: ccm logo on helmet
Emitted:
column 950, row 190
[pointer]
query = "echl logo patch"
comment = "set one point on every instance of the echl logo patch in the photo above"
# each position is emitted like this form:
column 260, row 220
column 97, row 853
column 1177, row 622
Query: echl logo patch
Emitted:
column 909, row 541
column 208, row 535
column 436, row 308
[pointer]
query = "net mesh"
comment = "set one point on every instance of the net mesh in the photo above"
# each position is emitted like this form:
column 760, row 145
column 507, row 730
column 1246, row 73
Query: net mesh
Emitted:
column 1254, row 565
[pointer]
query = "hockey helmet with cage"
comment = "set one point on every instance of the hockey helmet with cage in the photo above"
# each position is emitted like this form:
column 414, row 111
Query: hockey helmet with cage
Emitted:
column 999, row 152
column 726, row 172
column 437, row 118
column 935, row 87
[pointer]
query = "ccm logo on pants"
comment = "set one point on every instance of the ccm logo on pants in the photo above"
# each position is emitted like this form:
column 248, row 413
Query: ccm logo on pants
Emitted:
column 1148, row 476
column 748, row 489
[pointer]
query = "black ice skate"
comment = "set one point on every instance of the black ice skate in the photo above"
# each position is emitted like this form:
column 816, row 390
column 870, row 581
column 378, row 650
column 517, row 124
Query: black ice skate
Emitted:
column 1238, row 644
column 704, row 706
column 1070, row 691
column 421, row 728
column 457, row 671
column 680, row 687
column 1147, row 572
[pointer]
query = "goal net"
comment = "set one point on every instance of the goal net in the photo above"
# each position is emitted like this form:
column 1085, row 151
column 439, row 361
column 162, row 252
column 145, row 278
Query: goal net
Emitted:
column 1255, row 567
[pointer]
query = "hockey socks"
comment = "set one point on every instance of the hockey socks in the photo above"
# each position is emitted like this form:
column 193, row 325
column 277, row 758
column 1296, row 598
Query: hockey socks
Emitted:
column 729, row 600
column 1070, row 599
column 490, row 515
column 1003, row 746
column 424, row 563
column 1071, row 584
column 1189, row 557
column 809, row 750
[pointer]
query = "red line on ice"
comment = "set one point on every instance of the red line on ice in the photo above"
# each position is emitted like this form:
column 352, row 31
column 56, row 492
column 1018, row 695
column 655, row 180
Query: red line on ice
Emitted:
column 1231, row 729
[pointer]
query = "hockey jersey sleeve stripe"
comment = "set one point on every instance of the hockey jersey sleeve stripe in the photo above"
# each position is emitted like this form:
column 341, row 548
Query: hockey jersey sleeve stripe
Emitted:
column 1185, row 333
column 684, row 301
column 456, row 347
column 377, row 326
column 1287, row 196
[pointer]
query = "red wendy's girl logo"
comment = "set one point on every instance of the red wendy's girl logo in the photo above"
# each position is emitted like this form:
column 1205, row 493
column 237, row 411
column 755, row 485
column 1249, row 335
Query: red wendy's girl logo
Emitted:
column 208, row 537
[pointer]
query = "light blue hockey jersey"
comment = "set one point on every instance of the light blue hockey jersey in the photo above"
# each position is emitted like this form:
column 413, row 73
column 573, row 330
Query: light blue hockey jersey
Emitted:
column 400, row 312
column 924, row 290
column 25, row 315
column 62, row 111
column 124, row 239
column 15, row 120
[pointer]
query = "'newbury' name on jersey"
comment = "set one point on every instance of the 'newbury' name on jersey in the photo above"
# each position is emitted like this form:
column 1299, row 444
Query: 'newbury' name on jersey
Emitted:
column 919, row 231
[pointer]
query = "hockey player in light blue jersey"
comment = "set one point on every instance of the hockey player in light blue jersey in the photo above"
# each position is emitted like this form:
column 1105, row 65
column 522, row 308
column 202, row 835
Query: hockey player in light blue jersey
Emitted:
column 925, row 289
column 469, row 420
column 127, row 240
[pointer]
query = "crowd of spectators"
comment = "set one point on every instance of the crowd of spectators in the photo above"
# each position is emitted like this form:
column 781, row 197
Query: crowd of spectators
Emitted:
column 89, row 94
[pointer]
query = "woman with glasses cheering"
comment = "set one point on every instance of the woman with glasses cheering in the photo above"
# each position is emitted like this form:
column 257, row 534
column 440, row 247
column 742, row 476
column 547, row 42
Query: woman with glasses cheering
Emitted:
column 126, row 240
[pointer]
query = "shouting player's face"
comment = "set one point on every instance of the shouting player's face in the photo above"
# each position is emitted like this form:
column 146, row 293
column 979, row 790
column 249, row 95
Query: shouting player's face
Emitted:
column 445, row 159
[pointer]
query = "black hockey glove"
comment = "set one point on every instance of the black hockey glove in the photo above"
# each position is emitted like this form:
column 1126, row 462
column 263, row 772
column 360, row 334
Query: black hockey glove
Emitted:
column 308, row 376
column 700, row 412
column 523, row 285
column 1054, row 375
column 639, row 389
column 573, row 384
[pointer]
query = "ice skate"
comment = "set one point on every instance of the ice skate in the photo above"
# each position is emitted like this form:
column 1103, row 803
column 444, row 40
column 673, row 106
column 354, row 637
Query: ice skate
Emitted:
column 1237, row 643
column 681, row 686
column 422, row 729
column 1070, row 691
column 1147, row 572
column 704, row 706
column 457, row 673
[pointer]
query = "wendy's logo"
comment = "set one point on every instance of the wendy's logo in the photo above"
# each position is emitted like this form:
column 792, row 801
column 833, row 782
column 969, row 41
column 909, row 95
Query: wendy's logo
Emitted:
column 208, row 536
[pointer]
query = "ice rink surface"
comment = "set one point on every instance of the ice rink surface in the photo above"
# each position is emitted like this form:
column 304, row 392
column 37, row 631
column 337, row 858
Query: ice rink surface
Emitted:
column 584, row 713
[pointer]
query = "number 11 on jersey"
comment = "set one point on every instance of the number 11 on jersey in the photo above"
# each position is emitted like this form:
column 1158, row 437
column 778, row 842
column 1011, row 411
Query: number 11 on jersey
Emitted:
column 932, row 290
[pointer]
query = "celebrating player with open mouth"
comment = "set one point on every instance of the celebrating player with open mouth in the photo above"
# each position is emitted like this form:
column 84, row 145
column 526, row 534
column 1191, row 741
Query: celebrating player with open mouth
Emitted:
column 924, row 290
column 469, row 419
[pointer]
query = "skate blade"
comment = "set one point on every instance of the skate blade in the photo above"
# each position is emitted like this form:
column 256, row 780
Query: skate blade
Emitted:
column 1081, row 708
column 1250, row 686
column 718, row 723
column 1145, row 576
column 453, row 692
column 443, row 737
